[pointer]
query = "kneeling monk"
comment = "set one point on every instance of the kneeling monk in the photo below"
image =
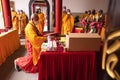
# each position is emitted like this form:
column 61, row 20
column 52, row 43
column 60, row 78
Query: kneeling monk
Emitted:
column 33, row 42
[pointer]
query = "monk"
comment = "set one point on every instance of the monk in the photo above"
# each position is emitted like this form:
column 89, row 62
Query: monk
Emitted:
column 68, row 23
column 92, row 16
column 34, row 41
column 41, row 20
column 20, row 22
column 24, row 21
column 64, row 12
column 15, row 24
column 85, row 15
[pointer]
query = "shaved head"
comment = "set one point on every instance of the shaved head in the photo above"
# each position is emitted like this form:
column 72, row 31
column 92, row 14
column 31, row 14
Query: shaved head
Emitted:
column 34, row 16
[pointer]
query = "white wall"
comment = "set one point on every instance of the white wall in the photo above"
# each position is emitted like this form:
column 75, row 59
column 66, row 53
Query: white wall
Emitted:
column 22, row 4
column 82, row 5
column 74, row 5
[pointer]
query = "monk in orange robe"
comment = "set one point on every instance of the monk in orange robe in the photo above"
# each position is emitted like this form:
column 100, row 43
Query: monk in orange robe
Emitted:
column 19, row 20
column 68, row 23
column 85, row 15
column 24, row 22
column 41, row 20
column 64, row 13
column 14, row 19
column 33, row 44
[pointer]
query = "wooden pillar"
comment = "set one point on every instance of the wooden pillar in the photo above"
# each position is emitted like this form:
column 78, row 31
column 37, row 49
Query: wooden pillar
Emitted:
column 58, row 16
column 7, row 13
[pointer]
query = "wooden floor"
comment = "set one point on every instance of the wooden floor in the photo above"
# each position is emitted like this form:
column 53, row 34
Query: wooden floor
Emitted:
column 7, row 70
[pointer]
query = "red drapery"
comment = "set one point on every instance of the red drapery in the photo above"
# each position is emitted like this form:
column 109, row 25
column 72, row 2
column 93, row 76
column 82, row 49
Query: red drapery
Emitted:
column 67, row 66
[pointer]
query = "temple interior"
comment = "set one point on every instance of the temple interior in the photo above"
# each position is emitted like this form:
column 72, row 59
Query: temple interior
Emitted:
column 59, row 39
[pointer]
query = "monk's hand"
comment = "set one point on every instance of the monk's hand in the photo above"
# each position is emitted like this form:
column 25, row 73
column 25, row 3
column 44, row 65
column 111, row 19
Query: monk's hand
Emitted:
column 49, row 34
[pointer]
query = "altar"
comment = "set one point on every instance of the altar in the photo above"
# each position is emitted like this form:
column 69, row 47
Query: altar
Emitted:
column 67, row 66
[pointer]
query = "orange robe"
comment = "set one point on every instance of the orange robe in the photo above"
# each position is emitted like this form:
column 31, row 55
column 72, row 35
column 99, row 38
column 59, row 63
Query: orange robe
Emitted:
column 25, row 19
column 20, row 23
column 14, row 20
column 62, row 27
column 41, row 20
column 63, row 14
column 68, row 24
column 13, row 13
column 23, row 22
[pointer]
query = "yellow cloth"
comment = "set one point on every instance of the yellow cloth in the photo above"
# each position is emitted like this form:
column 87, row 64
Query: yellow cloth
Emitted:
column 35, row 40
column 68, row 24
column 41, row 20
column 9, row 42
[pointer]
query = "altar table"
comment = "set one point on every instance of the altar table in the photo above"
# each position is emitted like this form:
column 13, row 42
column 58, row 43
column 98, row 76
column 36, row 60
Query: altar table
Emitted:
column 67, row 66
